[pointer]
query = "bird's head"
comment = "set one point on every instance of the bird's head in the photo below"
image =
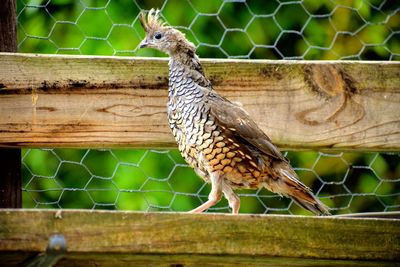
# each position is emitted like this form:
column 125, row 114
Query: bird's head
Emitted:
column 162, row 37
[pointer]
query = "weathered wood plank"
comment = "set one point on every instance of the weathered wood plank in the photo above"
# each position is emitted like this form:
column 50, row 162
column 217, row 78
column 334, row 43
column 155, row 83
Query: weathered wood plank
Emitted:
column 185, row 260
column 81, row 101
column 10, row 159
column 202, row 234
column 8, row 26
column 10, row 178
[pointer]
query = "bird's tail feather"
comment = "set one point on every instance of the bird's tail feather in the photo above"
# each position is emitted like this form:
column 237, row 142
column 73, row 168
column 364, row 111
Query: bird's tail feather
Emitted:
column 300, row 193
column 317, row 207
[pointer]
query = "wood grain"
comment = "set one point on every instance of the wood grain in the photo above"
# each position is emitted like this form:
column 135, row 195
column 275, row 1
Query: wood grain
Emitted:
column 185, row 260
column 10, row 159
column 8, row 26
column 201, row 234
column 82, row 101
column 10, row 178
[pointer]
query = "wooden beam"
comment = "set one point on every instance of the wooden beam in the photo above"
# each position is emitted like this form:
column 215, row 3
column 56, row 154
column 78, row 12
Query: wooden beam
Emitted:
column 10, row 178
column 10, row 159
column 13, row 259
column 82, row 101
column 8, row 26
column 110, row 232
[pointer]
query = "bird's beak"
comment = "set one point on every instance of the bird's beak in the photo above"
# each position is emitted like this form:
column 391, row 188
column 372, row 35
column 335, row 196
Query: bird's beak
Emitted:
column 143, row 43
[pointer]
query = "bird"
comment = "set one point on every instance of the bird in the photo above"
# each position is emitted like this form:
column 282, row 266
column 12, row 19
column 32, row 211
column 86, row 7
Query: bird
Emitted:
column 216, row 136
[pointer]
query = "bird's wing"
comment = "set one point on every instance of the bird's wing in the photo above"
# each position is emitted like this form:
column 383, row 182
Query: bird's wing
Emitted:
column 235, row 119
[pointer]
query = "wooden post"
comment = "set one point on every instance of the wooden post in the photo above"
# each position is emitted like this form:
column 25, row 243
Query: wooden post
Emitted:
column 10, row 159
column 10, row 178
column 8, row 26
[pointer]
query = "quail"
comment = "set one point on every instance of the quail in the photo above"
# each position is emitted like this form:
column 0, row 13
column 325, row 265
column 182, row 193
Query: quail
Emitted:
column 215, row 136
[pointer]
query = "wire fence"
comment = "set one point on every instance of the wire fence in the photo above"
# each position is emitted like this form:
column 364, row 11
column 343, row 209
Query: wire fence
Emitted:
column 308, row 29
column 160, row 179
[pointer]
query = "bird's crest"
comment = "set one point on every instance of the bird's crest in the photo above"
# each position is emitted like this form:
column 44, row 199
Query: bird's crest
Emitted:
column 152, row 22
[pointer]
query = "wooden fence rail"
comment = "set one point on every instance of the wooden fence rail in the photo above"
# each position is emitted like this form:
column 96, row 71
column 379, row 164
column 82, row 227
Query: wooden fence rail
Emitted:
column 83, row 101
column 196, row 239
column 78, row 101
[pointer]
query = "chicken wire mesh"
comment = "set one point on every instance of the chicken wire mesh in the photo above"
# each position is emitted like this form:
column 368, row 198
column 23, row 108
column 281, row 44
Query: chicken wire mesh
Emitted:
column 160, row 180
column 309, row 29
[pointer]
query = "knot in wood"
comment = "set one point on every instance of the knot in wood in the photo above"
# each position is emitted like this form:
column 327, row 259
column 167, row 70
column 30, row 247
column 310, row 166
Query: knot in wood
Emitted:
column 328, row 81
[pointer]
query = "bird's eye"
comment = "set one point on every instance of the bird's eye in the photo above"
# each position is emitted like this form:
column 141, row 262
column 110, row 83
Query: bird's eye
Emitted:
column 158, row 35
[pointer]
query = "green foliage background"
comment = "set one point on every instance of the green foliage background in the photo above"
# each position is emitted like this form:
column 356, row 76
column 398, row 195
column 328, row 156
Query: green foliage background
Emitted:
column 119, row 179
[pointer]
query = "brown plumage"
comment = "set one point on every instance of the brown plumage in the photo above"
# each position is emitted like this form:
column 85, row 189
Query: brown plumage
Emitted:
column 216, row 137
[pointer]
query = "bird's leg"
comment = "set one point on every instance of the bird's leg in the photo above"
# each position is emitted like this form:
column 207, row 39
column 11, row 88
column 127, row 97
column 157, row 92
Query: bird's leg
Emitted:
column 233, row 199
column 215, row 195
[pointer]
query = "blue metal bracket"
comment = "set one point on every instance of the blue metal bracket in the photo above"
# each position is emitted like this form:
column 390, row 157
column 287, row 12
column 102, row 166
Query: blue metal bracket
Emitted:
column 54, row 252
